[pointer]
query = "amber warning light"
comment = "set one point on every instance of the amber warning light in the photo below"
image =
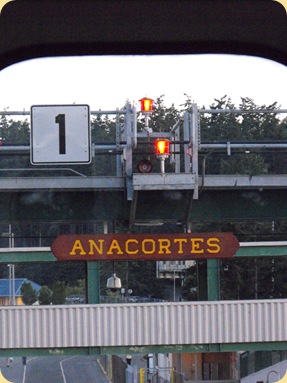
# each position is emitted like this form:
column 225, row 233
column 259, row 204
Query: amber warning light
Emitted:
column 146, row 104
column 162, row 147
column 162, row 152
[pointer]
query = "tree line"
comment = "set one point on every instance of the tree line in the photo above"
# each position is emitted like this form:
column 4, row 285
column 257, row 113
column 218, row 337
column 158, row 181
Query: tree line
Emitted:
column 253, row 126
column 45, row 296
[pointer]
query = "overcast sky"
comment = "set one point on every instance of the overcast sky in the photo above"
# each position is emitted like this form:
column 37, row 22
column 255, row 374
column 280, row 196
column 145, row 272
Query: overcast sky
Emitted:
column 107, row 82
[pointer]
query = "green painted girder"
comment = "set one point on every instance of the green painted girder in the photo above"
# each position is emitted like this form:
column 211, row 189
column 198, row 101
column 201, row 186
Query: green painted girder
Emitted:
column 16, row 256
column 122, row 350
column 262, row 249
column 166, row 205
column 247, row 249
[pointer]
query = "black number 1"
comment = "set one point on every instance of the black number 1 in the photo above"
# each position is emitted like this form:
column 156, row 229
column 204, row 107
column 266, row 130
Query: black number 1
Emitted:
column 60, row 119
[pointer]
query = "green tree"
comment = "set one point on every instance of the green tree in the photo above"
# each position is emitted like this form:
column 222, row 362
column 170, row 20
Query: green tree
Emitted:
column 190, row 284
column 104, row 131
column 78, row 288
column 45, row 295
column 243, row 127
column 14, row 132
column 59, row 293
column 29, row 295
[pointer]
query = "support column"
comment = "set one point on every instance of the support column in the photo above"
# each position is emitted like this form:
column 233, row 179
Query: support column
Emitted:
column 213, row 280
column 93, row 281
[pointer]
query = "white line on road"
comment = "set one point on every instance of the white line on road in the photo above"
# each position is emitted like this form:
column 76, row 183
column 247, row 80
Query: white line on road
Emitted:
column 25, row 366
column 62, row 369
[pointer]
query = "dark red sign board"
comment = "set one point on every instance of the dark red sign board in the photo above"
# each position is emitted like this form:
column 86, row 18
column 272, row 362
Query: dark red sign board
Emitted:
column 135, row 247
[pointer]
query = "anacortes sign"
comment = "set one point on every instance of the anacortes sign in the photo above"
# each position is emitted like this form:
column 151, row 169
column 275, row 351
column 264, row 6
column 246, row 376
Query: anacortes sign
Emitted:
column 88, row 247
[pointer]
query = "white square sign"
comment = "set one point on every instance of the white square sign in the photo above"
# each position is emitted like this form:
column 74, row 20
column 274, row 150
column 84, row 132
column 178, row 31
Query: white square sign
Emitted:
column 60, row 134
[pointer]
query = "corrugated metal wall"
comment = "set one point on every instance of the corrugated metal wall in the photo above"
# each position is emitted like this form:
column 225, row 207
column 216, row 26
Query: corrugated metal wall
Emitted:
column 143, row 324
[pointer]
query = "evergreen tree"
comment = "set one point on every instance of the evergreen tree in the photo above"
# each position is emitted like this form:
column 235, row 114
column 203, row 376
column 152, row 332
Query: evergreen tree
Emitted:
column 45, row 295
column 190, row 284
column 59, row 293
column 103, row 132
column 29, row 295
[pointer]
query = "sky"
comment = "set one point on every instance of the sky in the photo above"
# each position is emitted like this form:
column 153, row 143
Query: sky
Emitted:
column 107, row 82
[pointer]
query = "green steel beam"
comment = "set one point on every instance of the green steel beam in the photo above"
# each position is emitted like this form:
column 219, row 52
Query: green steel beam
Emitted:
column 262, row 249
column 15, row 256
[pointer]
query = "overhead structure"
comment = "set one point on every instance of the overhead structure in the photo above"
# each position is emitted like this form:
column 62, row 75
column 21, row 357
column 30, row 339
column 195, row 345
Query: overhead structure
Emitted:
column 154, row 168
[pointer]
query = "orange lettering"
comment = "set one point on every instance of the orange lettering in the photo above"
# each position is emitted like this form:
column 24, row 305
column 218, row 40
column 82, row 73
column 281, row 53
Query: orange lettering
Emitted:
column 144, row 246
column 78, row 247
column 195, row 245
column 213, row 244
column 94, row 245
column 180, row 241
column 115, row 247
column 127, row 249
column 164, row 245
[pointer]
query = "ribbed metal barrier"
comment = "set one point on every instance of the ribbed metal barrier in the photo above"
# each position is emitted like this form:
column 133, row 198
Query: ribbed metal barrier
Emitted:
column 179, row 323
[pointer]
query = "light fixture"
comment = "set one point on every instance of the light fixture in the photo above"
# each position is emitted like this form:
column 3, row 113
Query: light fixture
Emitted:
column 162, row 151
column 146, row 104
column 114, row 283
column 162, row 146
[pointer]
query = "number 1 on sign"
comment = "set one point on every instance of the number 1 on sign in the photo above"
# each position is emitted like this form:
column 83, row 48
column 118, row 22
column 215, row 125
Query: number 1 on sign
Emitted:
column 60, row 119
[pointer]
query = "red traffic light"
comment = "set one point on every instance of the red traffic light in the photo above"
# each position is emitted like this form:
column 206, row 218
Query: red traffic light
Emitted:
column 162, row 147
column 146, row 104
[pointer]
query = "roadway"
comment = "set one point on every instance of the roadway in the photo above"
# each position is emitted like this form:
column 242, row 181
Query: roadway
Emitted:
column 73, row 369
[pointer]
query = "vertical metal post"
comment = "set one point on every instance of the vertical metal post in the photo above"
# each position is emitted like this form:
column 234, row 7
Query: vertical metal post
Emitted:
column 186, row 137
column 213, row 280
column 134, row 127
column 128, row 151
column 11, row 284
column 141, row 373
column 194, row 140
column 10, row 236
column 171, row 371
column 118, row 140
column 176, row 150
column 162, row 165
